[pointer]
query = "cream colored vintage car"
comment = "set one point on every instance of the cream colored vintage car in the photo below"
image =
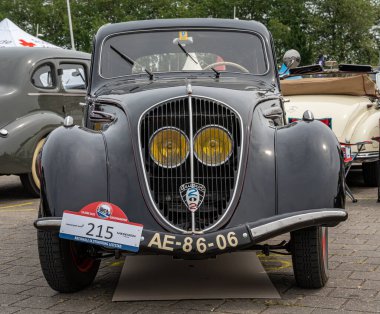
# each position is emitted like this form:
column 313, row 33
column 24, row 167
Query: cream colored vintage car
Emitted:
column 349, row 105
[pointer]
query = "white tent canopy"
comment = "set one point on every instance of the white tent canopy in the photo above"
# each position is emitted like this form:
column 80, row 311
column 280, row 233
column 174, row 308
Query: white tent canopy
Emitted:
column 13, row 36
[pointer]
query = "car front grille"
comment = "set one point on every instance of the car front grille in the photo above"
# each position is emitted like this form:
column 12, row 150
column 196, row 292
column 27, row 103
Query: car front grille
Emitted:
column 191, row 114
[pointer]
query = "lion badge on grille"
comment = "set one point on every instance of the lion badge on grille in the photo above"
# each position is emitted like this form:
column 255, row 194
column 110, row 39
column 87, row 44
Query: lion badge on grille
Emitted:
column 192, row 195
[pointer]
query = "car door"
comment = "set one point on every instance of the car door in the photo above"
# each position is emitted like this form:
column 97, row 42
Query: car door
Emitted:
column 73, row 76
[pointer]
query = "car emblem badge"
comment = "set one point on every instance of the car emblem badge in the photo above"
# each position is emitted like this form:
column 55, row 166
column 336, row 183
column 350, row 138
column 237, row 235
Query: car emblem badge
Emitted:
column 192, row 195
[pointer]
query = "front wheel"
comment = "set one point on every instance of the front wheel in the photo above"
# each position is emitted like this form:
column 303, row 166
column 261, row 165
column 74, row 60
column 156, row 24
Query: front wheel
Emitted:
column 66, row 265
column 309, row 249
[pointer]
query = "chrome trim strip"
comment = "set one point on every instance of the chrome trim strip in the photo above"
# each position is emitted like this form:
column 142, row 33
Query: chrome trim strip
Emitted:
column 174, row 28
column 47, row 223
column 220, row 220
column 191, row 137
column 58, row 94
column 367, row 155
column 289, row 221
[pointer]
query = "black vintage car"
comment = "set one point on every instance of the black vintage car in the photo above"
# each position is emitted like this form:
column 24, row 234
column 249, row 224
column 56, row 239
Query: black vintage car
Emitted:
column 38, row 88
column 186, row 151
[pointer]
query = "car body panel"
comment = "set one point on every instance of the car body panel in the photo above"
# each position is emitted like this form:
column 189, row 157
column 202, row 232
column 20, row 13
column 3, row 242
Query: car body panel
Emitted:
column 354, row 118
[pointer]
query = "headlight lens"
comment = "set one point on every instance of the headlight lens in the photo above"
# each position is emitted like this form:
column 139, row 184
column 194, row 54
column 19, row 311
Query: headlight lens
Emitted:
column 169, row 147
column 213, row 145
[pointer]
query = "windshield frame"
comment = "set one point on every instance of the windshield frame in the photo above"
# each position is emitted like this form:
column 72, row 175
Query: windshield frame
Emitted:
column 152, row 30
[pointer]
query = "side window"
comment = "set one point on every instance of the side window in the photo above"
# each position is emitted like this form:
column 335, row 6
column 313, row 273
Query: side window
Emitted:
column 44, row 77
column 73, row 76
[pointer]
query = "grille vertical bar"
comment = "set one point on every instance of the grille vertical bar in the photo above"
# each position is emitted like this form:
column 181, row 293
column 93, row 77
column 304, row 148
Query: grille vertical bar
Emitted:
column 190, row 115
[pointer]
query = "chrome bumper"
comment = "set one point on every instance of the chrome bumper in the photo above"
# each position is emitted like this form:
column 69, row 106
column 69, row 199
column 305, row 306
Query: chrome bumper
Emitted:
column 260, row 230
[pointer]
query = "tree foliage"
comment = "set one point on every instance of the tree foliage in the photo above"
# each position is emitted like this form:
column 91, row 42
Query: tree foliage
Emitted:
column 345, row 30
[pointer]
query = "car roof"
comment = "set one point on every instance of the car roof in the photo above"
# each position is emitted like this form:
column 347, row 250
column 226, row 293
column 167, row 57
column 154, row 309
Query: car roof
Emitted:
column 109, row 29
column 16, row 61
column 35, row 54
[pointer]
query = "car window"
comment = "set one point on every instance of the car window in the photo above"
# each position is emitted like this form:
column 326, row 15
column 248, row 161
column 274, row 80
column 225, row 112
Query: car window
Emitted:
column 73, row 76
column 44, row 77
column 183, row 50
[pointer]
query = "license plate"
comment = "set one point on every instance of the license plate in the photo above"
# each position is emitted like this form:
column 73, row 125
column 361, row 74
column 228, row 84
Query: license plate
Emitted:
column 97, row 227
column 196, row 244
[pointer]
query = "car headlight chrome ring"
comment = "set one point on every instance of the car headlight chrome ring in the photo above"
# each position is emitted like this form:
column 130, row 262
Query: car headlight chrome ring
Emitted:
column 169, row 147
column 213, row 145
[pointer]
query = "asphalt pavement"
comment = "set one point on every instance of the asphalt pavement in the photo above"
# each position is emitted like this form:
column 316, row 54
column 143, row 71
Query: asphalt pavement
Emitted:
column 354, row 262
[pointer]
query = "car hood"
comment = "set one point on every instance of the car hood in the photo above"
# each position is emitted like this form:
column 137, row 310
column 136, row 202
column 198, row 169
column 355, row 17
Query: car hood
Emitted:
column 136, row 97
column 345, row 111
column 123, row 86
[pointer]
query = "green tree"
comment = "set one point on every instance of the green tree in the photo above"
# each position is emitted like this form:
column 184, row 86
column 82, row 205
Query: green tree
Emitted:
column 343, row 29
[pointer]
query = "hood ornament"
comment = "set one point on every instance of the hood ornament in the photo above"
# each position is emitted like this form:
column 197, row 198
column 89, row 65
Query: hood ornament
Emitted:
column 189, row 89
column 192, row 195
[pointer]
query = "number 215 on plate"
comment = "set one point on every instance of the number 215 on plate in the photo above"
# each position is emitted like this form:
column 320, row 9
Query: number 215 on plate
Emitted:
column 103, row 232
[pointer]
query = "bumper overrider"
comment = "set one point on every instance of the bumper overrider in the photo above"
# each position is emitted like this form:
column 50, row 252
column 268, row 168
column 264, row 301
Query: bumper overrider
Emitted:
column 223, row 240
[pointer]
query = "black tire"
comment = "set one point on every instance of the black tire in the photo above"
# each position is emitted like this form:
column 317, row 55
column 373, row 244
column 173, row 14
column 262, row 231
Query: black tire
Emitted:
column 370, row 173
column 29, row 185
column 65, row 264
column 309, row 249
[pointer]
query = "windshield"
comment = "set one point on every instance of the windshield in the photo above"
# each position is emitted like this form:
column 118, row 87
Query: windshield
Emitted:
column 183, row 50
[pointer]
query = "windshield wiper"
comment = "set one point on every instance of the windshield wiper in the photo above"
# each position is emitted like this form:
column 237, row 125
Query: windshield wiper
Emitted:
column 217, row 73
column 131, row 61
column 186, row 53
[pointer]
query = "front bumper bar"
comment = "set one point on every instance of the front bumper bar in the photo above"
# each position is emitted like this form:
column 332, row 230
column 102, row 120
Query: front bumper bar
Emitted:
column 224, row 240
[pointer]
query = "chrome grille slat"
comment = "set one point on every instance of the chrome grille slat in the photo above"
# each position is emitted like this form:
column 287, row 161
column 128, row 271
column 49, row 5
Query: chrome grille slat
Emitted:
column 163, row 183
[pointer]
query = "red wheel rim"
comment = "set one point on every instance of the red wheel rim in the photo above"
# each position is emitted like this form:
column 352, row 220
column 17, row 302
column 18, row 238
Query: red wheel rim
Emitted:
column 80, row 257
column 325, row 247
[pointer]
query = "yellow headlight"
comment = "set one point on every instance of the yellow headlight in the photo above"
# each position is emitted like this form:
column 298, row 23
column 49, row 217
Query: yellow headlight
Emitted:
column 213, row 145
column 169, row 147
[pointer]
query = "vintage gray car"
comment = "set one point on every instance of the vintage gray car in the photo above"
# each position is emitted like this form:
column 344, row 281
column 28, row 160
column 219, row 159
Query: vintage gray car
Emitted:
column 185, row 151
column 38, row 88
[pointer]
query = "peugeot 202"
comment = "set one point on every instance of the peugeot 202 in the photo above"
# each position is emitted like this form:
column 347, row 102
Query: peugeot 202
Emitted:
column 186, row 151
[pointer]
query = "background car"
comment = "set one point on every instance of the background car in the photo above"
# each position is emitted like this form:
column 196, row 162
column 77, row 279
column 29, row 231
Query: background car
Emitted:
column 347, row 102
column 185, row 151
column 38, row 88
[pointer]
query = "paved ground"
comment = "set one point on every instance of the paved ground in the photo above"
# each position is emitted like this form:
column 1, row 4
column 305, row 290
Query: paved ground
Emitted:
column 354, row 284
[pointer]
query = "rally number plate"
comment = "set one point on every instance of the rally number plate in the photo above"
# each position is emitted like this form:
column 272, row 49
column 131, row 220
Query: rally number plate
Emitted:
column 112, row 234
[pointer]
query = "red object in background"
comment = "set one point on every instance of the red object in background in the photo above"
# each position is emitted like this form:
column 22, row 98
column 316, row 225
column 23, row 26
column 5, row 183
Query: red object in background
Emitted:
column 220, row 67
column 26, row 44
column 326, row 121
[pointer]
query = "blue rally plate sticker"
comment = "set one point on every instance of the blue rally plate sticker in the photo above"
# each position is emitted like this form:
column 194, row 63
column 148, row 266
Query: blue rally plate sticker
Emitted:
column 103, row 224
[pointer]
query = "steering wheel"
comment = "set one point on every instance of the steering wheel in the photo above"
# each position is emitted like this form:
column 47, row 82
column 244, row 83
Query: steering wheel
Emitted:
column 240, row 67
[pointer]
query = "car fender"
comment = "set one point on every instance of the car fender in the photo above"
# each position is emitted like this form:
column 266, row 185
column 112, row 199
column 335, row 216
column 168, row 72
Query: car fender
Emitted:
column 367, row 128
column 73, row 168
column 309, row 167
column 17, row 148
